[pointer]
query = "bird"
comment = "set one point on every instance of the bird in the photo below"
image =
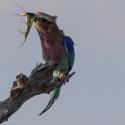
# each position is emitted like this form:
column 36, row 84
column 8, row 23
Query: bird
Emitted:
column 56, row 48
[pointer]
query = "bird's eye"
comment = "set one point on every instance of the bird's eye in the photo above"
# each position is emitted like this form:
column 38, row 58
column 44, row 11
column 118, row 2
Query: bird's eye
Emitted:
column 44, row 20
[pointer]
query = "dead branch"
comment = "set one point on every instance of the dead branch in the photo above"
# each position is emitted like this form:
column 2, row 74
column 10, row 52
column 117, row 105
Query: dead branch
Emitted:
column 40, row 81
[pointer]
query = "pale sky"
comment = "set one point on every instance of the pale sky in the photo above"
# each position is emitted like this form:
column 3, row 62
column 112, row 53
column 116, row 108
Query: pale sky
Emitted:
column 95, row 95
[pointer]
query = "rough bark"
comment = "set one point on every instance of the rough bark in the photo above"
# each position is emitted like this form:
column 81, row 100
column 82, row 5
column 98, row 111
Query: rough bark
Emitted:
column 40, row 81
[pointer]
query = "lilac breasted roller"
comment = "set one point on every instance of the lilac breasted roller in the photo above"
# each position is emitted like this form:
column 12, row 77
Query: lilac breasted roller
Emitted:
column 56, row 47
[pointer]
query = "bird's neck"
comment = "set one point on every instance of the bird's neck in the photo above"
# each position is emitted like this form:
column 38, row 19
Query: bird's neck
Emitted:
column 45, row 37
column 48, row 37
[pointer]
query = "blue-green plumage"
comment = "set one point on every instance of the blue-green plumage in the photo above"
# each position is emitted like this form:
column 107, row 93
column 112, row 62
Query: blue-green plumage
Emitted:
column 69, row 47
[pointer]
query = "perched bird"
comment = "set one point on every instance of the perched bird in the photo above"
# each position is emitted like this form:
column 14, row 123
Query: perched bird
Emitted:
column 56, row 47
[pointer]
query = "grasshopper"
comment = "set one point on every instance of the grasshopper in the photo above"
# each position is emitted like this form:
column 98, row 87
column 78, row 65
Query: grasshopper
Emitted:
column 29, row 22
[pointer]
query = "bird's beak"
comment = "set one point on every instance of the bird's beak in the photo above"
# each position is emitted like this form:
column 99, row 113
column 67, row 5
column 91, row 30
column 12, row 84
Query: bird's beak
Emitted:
column 31, row 14
column 28, row 14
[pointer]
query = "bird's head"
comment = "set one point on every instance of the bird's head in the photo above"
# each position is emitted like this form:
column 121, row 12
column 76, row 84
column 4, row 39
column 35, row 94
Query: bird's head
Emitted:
column 46, row 26
column 43, row 21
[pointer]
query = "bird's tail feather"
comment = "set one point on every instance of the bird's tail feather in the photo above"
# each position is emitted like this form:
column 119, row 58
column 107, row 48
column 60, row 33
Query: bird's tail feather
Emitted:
column 54, row 95
column 47, row 107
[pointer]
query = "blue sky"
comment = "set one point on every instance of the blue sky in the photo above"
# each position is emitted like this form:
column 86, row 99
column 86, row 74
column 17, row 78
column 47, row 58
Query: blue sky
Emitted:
column 96, row 93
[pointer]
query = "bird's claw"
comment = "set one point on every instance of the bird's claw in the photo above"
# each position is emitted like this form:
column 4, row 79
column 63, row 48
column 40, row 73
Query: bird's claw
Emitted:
column 64, row 79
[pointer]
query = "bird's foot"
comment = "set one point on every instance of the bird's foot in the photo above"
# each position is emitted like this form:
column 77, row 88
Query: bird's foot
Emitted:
column 64, row 79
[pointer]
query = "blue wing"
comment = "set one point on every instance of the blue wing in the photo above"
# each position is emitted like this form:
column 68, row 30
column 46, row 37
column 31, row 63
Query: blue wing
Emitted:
column 69, row 46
